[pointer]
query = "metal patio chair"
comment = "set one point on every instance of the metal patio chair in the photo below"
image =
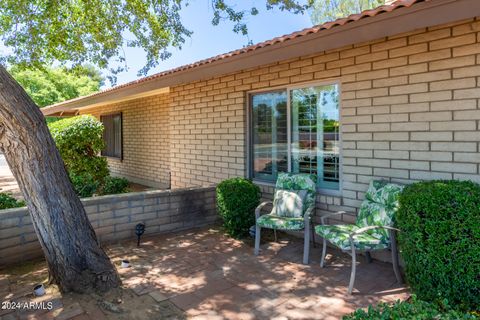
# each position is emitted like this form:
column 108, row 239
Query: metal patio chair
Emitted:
column 293, row 206
column 372, row 230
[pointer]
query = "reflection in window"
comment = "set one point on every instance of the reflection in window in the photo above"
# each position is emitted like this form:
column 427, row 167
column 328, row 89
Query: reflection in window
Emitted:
column 314, row 132
column 269, row 135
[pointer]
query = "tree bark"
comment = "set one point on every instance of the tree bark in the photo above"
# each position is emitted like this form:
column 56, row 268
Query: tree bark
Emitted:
column 75, row 259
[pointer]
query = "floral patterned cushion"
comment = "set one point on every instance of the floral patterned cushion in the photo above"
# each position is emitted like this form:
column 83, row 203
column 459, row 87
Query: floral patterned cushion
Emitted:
column 271, row 221
column 379, row 207
column 289, row 203
column 339, row 236
column 299, row 181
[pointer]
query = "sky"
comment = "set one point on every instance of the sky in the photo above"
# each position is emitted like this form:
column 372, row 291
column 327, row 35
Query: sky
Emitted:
column 208, row 40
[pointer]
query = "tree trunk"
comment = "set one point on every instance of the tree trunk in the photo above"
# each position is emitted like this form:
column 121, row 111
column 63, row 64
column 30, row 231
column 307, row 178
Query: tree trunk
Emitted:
column 75, row 259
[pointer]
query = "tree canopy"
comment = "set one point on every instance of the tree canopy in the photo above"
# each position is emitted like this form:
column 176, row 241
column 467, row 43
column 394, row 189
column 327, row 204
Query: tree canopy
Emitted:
column 47, row 86
column 328, row 10
column 36, row 33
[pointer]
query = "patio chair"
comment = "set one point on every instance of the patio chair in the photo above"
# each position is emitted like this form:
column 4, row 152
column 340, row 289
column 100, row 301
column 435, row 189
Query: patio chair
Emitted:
column 373, row 228
column 293, row 205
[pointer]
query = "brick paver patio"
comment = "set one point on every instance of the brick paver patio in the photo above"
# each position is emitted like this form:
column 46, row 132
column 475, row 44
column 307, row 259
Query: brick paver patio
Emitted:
column 208, row 275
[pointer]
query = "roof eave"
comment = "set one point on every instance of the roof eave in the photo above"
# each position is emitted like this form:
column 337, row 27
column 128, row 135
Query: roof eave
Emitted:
column 401, row 20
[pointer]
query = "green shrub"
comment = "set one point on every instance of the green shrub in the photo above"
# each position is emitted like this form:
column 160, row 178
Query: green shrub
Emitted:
column 237, row 199
column 79, row 140
column 85, row 185
column 7, row 201
column 114, row 185
column 414, row 309
column 440, row 241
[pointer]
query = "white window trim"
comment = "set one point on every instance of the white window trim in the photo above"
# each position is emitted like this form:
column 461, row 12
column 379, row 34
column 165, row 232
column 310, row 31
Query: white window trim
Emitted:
column 288, row 88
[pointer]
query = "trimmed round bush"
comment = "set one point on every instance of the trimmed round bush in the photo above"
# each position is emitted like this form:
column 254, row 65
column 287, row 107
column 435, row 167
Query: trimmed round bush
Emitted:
column 440, row 241
column 237, row 199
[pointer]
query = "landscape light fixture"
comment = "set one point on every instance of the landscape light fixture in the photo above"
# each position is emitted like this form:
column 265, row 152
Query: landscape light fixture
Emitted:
column 139, row 230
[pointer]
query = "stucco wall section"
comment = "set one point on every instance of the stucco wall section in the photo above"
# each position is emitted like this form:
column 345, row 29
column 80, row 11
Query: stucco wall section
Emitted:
column 146, row 140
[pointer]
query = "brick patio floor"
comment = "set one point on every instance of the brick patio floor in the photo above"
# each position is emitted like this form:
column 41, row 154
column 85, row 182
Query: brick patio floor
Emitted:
column 211, row 276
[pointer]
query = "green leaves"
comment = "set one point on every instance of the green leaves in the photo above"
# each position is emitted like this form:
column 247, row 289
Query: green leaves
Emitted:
column 38, row 33
column 329, row 10
column 47, row 86
column 114, row 185
column 76, row 31
column 440, row 240
column 412, row 309
column 237, row 199
column 79, row 141
column 7, row 201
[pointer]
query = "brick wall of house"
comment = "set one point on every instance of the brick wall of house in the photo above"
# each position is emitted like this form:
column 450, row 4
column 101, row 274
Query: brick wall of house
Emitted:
column 410, row 111
column 146, row 140
column 409, row 105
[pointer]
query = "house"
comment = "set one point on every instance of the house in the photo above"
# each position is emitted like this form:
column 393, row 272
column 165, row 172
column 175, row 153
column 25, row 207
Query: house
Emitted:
column 391, row 93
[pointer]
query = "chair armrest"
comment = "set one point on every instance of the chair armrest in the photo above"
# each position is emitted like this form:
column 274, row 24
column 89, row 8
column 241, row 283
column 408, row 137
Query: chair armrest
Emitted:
column 365, row 229
column 307, row 217
column 322, row 218
column 309, row 212
column 259, row 208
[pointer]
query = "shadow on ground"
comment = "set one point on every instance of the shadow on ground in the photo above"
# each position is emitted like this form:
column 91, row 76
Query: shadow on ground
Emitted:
column 204, row 274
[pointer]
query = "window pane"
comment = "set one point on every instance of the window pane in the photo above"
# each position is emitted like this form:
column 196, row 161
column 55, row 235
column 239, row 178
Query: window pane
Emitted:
column 315, row 133
column 112, row 135
column 117, row 131
column 269, row 134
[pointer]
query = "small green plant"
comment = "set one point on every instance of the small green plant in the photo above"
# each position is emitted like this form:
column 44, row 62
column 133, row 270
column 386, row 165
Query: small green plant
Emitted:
column 85, row 185
column 440, row 241
column 7, row 201
column 237, row 199
column 412, row 309
column 114, row 185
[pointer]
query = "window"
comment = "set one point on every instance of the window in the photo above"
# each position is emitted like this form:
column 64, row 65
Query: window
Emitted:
column 112, row 135
column 296, row 130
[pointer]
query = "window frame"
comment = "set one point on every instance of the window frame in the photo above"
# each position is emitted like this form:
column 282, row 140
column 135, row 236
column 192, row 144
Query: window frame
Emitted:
column 288, row 89
column 112, row 114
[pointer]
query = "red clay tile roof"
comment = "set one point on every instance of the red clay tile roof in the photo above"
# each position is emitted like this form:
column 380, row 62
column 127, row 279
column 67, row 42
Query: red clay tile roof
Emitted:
column 315, row 29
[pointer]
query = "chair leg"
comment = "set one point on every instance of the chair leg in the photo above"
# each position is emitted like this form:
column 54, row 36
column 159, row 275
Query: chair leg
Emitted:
column 306, row 244
column 313, row 235
column 354, row 267
column 324, row 252
column 257, row 239
column 368, row 256
column 396, row 268
column 275, row 235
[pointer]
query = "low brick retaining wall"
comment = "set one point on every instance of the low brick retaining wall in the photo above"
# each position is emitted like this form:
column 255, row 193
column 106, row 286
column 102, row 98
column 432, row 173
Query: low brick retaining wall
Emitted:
column 114, row 218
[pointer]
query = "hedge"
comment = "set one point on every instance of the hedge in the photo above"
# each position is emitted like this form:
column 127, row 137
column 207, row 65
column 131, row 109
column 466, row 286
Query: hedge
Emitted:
column 440, row 241
column 412, row 309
